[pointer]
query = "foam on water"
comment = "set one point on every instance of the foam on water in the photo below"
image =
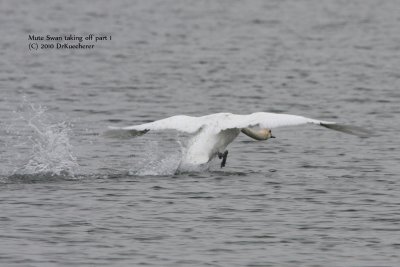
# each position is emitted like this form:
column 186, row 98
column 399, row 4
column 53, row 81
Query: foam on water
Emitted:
column 156, row 161
column 160, row 157
column 41, row 145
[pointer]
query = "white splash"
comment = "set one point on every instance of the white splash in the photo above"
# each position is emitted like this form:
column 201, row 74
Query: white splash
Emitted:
column 155, row 161
column 47, row 143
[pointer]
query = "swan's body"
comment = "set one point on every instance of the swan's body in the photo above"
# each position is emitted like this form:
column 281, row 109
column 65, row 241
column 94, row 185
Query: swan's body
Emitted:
column 206, row 145
column 213, row 133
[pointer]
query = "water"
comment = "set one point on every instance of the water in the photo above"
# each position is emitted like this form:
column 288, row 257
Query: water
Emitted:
column 310, row 197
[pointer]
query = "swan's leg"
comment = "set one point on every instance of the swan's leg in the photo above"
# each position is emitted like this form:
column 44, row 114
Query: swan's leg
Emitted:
column 223, row 156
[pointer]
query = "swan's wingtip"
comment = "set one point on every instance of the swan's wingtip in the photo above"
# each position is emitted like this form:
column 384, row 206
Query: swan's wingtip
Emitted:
column 349, row 129
column 121, row 133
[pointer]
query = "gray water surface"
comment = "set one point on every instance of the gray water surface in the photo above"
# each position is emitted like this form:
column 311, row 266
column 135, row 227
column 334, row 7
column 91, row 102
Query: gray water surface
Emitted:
column 311, row 197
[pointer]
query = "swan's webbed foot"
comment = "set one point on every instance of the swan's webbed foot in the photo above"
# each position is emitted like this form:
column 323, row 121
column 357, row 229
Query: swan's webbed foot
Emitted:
column 223, row 156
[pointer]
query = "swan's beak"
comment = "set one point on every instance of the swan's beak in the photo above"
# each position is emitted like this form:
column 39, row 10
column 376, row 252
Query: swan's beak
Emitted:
column 272, row 136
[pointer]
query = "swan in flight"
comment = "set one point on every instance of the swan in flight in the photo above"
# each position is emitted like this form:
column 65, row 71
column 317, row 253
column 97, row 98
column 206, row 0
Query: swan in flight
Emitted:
column 211, row 134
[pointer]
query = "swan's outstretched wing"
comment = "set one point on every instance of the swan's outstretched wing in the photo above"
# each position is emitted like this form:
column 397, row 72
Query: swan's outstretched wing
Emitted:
column 267, row 120
column 180, row 123
column 222, row 121
column 274, row 120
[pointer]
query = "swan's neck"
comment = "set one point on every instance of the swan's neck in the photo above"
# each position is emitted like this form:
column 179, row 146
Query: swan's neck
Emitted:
column 257, row 135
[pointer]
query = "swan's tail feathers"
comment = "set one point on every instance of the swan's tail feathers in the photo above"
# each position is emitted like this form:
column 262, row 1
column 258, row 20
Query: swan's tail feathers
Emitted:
column 120, row 133
column 349, row 129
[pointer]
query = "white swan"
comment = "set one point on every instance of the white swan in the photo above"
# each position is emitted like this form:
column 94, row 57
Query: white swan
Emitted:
column 213, row 133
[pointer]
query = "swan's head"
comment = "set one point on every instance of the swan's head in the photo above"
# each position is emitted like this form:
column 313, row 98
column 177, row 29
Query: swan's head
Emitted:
column 263, row 134
column 267, row 133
